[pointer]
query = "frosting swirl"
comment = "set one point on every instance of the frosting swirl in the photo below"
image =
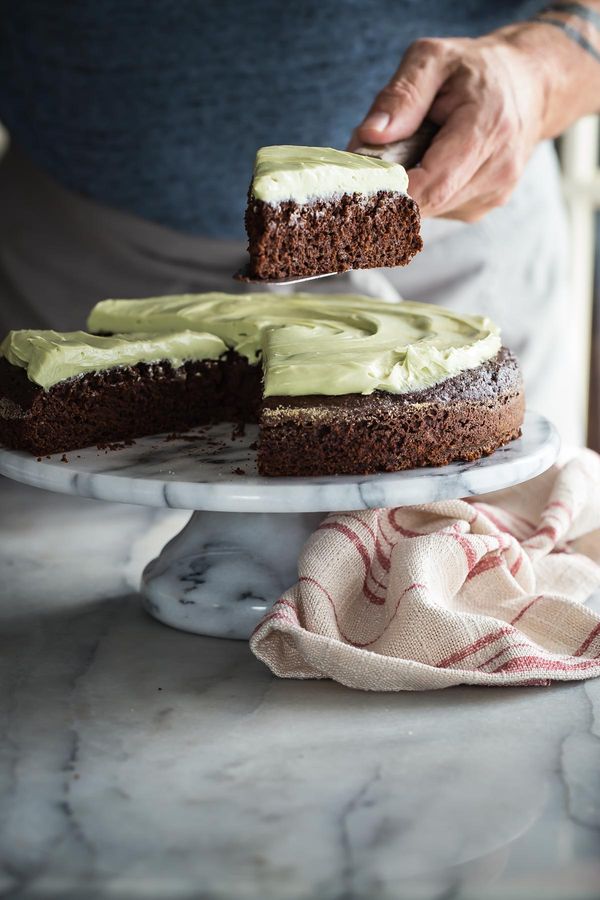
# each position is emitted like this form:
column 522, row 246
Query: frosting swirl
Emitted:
column 308, row 343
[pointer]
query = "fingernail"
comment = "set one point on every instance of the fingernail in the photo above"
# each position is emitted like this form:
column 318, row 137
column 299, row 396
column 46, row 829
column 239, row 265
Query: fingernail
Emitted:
column 377, row 121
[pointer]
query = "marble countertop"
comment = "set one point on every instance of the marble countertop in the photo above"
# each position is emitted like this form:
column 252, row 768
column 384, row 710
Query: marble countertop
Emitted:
column 139, row 761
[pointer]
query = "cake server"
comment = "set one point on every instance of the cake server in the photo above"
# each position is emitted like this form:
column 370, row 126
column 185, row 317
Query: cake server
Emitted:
column 408, row 153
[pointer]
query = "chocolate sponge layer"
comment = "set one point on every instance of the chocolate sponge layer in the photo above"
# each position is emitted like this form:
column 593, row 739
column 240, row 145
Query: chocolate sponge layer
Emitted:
column 351, row 232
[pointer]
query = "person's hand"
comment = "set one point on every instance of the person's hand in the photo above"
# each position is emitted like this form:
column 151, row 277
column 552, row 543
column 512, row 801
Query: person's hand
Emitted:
column 491, row 96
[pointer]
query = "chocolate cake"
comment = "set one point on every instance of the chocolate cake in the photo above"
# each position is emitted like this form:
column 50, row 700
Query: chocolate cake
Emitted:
column 314, row 210
column 349, row 384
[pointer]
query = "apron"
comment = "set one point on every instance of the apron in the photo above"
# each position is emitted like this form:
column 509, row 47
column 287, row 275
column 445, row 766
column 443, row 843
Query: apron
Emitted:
column 60, row 253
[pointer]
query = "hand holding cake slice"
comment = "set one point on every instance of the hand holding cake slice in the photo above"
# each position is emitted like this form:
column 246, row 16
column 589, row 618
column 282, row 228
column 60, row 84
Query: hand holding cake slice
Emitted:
column 314, row 211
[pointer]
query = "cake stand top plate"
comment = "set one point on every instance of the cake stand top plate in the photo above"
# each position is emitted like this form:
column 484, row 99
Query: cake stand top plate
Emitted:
column 213, row 469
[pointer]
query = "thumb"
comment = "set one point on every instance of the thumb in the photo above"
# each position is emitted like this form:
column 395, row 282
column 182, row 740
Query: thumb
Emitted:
column 402, row 105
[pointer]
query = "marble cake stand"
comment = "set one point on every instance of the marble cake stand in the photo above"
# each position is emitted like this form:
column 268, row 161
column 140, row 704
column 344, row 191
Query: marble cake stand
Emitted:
column 239, row 550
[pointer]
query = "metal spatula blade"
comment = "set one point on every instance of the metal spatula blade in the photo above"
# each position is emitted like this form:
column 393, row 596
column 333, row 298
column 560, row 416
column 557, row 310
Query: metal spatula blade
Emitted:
column 242, row 275
column 408, row 153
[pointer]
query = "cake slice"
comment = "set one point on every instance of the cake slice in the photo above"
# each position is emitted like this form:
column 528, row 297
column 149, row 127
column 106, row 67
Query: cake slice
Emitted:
column 61, row 391
column 463, row 417
column 315, row 210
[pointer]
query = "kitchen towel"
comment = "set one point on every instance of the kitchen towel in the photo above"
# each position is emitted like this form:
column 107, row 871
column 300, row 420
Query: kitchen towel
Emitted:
column 482, row 591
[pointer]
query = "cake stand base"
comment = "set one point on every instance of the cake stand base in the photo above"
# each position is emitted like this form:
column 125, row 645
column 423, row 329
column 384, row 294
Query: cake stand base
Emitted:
column 240, row 549
column 223, row 571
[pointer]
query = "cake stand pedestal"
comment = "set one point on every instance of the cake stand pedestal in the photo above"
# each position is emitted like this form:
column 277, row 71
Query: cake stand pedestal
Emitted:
column 239, row 550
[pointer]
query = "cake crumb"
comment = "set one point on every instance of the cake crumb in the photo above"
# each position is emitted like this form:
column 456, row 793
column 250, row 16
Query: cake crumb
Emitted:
column 239, row 431
column 117, row 445
column 254, row 445
column 174, row 436
column 64, row 458
column 238, row 471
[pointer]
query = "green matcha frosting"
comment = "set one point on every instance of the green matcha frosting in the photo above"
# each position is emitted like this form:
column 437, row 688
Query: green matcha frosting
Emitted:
column 51, row 356
column 302, row 174
column 320, row 343
column 308, row 343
